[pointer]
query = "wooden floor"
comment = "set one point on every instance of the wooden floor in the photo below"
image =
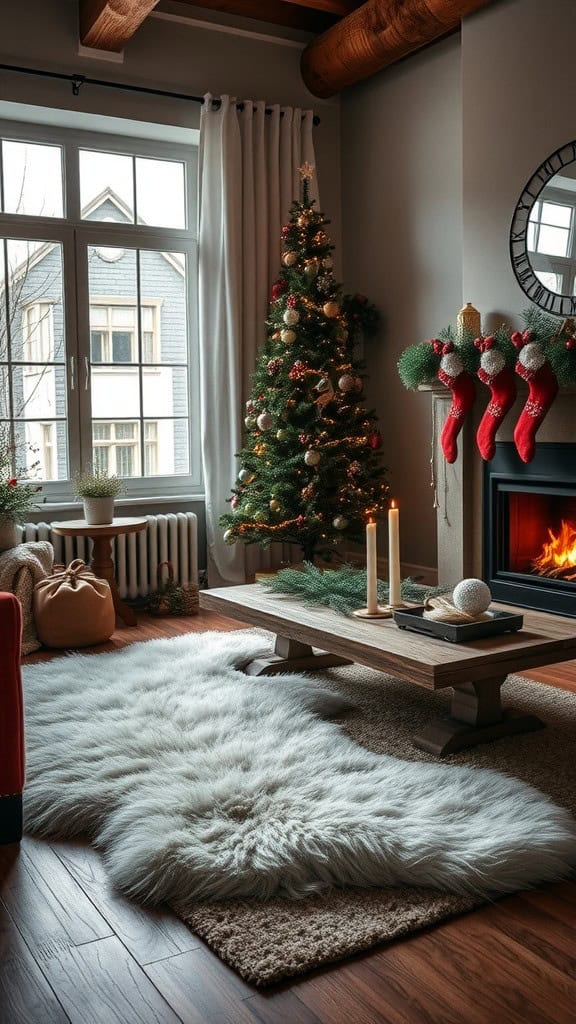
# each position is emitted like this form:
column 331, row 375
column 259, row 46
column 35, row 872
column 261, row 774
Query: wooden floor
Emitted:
column 72, row 950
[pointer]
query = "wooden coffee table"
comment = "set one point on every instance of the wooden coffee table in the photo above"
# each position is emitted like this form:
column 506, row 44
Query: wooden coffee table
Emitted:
column 475, row 671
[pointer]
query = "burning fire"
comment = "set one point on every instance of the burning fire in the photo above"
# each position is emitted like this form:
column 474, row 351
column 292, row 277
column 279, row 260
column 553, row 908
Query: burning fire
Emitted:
column 558, row 556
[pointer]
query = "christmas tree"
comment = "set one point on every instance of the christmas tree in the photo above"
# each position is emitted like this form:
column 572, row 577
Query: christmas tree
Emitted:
column 311, row 465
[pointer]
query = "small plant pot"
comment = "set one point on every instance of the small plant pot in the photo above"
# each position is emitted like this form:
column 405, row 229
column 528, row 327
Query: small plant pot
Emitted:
column 8, row 534
column 98, row 511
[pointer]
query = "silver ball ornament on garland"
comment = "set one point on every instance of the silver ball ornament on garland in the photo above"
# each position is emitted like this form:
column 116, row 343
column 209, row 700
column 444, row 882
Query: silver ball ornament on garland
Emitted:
column 289, row 258
column 339, row 522
column 347, row 382
column 265, row 421
column 311, row 457
column 291, row 316
column 287, row 335
column 472, row 596
column 229, row 537
column 246, row 476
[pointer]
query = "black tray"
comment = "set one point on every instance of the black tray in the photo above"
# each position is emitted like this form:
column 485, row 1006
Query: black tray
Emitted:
column 500, row 622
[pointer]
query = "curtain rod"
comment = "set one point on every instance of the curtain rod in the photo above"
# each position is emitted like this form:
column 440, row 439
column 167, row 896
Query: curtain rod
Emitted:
column 77, row 81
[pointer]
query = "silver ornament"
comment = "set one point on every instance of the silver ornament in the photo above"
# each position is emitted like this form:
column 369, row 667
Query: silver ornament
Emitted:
column 264, row 421
column 311, row 457
column 229, row 537
column 291, row 316
column 347, row 382
column 246, row 476
column 339, row 522
column 471, row 596
column 287, row 335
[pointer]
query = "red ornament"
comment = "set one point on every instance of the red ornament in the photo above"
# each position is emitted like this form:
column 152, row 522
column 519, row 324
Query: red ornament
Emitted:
column 299, row 370
column 571, row 343
column 235, row 501
column 375, row 440
column 273, row 366
column 361, row 298
column 286, row 230
column 278, row 289
column 13, row 482
column 291, row 301
column 436, row 345
column 304, row 438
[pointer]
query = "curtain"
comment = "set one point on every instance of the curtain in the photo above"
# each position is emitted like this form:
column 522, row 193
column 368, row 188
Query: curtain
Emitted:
column 249, row 160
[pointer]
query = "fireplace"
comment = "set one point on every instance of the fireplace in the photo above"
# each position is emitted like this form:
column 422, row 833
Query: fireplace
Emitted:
column 529, row 536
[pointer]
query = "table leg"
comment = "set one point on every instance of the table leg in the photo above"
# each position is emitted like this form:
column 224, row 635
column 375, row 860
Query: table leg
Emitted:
column 103, row 567
column 477, row 716
column 292, row 656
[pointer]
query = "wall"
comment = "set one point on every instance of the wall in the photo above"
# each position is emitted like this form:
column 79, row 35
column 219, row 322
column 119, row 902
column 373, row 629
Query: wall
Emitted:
column 401, row 201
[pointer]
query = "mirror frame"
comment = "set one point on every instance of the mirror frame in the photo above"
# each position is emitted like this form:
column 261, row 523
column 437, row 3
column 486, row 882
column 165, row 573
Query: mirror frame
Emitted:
column 562, row 305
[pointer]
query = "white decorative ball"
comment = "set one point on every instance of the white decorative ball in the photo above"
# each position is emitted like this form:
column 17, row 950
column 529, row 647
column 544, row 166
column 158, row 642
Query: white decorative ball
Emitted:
column 532, row 356
column 246, row 476
column 311, row 458
column 289, row 258
column 291, row 316
column 472, row 596
column 229, row 537
column 264, row 421
column 287, row 335
column 347, row 382
column 339, row 522
column 492, row 362
column 452, row 364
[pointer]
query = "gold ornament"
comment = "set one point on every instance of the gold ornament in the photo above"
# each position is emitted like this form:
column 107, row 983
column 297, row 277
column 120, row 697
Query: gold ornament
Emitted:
column 289, row 258
column 288, row 335
column 311, row 268
column 311, row 457
column 250, row 422
column 274, row 505
column 281, row 435
column 331, row 309
column 468, row 321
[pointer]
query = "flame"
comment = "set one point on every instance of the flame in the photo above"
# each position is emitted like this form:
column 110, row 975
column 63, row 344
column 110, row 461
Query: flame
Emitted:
column 393, row 503
column 558, row 554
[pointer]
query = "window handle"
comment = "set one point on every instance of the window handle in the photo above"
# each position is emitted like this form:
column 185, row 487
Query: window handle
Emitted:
column 86, row 373
column 72, row 375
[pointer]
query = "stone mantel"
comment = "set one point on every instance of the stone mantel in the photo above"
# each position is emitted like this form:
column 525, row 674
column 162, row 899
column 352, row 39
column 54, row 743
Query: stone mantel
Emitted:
column 459, row 486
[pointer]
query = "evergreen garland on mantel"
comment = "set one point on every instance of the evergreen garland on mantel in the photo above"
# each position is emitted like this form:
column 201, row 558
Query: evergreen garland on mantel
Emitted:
column 419, row 364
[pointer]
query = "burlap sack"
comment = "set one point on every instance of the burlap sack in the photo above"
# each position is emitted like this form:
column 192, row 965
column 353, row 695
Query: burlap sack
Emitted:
column 73, row 608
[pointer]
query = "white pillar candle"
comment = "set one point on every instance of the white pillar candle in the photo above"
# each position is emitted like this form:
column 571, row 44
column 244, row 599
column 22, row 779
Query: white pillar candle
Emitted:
column 371, row 569
column 395, row 597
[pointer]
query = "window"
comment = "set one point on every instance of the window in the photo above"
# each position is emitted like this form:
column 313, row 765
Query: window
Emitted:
column 97, row 332
column 114, row 333
column 39, row 333
column 116, row 447
column 552, row 239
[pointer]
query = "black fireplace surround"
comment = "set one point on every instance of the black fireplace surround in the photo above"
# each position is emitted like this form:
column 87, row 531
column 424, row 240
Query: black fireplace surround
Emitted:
column 525, row 508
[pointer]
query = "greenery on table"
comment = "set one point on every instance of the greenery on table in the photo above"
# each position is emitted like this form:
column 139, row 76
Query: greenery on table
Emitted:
column 342, row 589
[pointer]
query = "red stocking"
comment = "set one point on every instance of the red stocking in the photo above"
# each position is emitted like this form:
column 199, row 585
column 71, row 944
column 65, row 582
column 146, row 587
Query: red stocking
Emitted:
column 453, row 375
column 500, row 379
column 533, row 367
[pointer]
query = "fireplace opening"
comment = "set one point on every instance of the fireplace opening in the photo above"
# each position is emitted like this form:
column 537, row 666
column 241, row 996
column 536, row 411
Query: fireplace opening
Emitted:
column 529, row 519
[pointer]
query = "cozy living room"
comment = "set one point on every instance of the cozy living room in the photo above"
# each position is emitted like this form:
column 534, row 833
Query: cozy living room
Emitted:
column 287, row 512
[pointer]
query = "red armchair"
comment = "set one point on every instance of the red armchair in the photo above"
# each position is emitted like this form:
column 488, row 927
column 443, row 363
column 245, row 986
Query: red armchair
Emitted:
column 11, row 722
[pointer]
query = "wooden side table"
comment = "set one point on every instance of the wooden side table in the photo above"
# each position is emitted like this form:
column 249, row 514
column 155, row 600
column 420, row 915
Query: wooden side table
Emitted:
column 102, row 564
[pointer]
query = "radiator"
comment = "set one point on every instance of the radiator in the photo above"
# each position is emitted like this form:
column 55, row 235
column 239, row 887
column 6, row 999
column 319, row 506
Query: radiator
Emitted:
column 173, row 538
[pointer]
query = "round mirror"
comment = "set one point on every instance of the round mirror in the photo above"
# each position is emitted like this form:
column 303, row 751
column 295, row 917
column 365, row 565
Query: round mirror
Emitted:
column 543, row 234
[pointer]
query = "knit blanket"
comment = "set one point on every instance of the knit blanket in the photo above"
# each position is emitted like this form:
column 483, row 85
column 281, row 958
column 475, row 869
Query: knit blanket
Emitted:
column 21, row 568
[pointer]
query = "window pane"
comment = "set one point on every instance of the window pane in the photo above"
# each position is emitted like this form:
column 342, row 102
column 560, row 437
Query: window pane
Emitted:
column 163, row 277
column 123, row 316
column 126, row 461
column 97, row 346
column 531, row 236
column 171, row 456
column 101, row 431
column 555, row 213
column 161, row 193
column 42, row 448
column 32, row 179
column 553, row 241
column 101, row 459
column 106, row 187
column 550, row 280
column 126, row 431
column 165, row 390
column 123, row 347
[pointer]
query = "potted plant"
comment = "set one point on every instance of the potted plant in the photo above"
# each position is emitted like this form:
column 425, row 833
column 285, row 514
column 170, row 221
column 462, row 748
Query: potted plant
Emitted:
column 16, row 496
column 98, row 491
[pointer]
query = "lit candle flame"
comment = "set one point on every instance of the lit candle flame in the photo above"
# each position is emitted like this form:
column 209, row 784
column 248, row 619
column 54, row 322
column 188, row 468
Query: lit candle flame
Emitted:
column 393, row 503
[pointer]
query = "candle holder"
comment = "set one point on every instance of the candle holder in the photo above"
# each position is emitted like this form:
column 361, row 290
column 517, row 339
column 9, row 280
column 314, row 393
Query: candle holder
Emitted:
column 383, row 611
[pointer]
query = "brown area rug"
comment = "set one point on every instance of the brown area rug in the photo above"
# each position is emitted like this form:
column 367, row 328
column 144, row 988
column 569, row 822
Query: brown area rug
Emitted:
column 266, row 942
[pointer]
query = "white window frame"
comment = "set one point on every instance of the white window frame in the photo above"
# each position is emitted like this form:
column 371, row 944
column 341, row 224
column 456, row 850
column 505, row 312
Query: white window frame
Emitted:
column 76, row 235
column 108, row 302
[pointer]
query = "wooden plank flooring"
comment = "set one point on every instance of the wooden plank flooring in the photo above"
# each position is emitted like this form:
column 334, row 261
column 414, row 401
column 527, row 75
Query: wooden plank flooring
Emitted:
column 72, row 950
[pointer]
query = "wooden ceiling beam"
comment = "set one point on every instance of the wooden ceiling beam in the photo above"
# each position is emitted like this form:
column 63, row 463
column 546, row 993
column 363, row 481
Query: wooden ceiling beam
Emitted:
column 375, row 35
column 340, row 8
column 275, row 12
column 109, row 24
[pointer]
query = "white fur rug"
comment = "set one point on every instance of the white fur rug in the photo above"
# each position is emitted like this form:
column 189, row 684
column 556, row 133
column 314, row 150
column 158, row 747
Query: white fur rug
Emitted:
column 197, row 781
